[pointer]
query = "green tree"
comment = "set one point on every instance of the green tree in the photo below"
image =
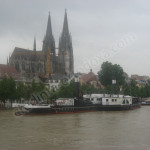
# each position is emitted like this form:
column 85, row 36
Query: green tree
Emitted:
column 88, row 89
column 27, row 92
column 67, row 90
column 7, row 89
column 20, row 91
column 133, row 88
column 108, row 72
column 11, row 89
column 4, row 90
column 147, row 90
column 37, row 87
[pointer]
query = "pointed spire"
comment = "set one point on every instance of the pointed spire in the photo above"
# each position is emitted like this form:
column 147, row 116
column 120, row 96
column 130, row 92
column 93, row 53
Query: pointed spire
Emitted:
column 34, row 45
column 65, row 26
column 48, row 38
column 49, row 27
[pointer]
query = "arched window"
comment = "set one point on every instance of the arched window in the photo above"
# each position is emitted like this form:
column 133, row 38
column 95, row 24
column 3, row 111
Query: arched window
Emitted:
column 23, row 66
column 33, row 68
column 17, row 66
column 39, row 67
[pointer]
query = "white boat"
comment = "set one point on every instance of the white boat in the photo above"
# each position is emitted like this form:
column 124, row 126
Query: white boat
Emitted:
column 114, row 102
column 14, row 105
column 30, row 106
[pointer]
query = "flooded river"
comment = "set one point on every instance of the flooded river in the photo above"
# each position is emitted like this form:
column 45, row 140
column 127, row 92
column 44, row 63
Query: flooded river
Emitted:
column 119, row 130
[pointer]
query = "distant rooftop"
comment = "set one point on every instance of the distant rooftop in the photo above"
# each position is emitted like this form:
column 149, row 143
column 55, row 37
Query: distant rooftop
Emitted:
column 8, row 71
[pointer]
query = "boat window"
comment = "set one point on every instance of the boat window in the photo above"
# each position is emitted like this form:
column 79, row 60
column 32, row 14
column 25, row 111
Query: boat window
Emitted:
column 115, row 100
column 99, row 99
column 92, row 99
column 106, row 100
column 127, row 101
column 124, row 101
column 112, row 100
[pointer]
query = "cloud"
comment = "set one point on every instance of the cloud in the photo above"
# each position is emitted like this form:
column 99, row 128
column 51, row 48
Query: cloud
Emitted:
column 94, row 26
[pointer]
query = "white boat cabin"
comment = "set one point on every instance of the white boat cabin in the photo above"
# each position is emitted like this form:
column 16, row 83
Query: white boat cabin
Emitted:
column 117, row 100
column 65, row 102
column 108, row 99
column 94, row 98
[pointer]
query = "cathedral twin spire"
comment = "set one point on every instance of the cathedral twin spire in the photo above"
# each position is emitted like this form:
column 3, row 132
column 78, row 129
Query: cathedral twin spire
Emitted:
column 65, row 42
column 65, row 26
column 64, row 63
column 49, row 39
column 46, row 62
column 65, row 49
column 49, row 28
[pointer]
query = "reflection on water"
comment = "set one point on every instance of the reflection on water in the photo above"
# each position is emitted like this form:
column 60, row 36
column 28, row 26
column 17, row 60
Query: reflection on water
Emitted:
column 123, row 130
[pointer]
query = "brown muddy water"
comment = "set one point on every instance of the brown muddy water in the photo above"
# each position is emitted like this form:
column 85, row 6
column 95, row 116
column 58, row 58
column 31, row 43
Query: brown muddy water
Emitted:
column 102, row 130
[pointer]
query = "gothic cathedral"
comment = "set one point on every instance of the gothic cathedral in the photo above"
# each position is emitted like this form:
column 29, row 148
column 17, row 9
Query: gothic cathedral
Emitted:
column 46, row 62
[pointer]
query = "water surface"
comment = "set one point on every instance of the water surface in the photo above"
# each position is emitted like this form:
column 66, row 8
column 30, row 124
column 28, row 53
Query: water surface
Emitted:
column 103, row 130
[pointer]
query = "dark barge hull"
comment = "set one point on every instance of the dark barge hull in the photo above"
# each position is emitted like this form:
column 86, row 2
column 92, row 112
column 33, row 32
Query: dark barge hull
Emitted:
column 63, row 110
column 119, row 107
column 146, row 104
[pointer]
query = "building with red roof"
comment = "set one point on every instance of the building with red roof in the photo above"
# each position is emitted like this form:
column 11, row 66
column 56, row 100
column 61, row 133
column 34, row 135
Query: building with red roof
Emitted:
column 8, row 71
column 90, row 79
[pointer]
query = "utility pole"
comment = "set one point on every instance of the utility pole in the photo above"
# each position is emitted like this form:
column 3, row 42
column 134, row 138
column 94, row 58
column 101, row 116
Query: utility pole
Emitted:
column 114, row 83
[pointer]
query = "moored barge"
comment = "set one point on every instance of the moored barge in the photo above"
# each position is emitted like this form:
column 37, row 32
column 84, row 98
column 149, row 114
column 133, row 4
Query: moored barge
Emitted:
column 92, row 102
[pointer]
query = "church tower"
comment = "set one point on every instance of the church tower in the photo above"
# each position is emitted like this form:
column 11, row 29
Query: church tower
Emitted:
column 49, row 42
column 65, row 53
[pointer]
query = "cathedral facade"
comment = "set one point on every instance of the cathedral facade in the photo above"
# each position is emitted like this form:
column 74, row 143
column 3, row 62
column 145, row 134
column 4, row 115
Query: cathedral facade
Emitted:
column 46, row 62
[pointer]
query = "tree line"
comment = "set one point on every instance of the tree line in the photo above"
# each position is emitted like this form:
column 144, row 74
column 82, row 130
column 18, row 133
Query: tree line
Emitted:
column 15, row 91
column 72, row 89
column 109, row 72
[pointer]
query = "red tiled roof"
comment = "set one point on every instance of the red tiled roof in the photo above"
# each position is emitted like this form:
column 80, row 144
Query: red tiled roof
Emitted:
column 89, row 77
column 8, row 71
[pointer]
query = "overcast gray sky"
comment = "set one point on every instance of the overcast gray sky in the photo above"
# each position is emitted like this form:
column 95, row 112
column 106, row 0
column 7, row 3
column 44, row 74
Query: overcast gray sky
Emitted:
column 113, row 30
